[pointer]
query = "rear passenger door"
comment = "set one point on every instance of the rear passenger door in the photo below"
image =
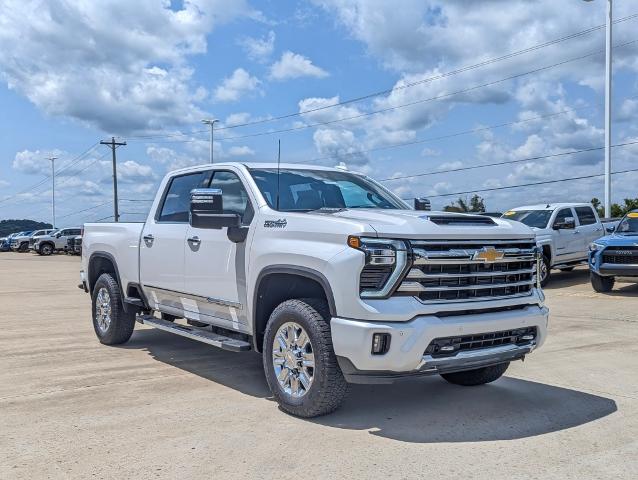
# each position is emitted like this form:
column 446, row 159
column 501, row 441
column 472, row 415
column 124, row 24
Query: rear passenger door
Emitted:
column 589, row 226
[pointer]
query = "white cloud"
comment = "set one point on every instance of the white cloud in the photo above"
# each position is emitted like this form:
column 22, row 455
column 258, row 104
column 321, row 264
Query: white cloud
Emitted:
column 293, row 65
column 35, row 162
column 4, row 183
column 259, row 49
column 242, row 151
column 234, row 87
column 116, row 65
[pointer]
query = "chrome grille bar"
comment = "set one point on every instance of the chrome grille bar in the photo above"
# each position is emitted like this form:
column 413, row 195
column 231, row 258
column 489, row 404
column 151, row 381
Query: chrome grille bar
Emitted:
column 419, row 287
column 416, row 273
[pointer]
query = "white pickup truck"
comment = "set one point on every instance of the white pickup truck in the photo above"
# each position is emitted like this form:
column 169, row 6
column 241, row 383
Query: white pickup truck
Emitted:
column 329, row 275
column 563, row 231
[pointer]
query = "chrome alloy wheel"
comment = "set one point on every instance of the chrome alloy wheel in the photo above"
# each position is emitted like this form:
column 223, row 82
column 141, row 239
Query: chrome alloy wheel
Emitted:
column 544, row 270
column 293, row 359
column 103, row 309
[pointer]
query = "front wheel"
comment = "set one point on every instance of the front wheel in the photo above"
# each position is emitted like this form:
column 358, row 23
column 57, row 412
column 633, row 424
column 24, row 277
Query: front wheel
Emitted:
column 299, row 361
column 545, row 271
column 46, row 249
column 601, row 284
column 479, row 376
column 113, row 325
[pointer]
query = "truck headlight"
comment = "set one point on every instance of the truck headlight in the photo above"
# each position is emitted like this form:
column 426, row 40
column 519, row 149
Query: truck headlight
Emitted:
column 385, row 262
column 594, row 247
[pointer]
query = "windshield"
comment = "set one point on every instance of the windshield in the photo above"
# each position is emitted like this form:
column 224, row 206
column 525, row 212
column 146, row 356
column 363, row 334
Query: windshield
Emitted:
column 531, row 218
column 628, row 225
column 307, row 190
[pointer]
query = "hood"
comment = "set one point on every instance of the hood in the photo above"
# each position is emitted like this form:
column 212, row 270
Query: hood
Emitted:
column 616, row 240
column 433, row 225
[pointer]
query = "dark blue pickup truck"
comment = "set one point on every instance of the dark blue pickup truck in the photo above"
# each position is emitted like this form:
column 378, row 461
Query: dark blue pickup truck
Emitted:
column 615, row 255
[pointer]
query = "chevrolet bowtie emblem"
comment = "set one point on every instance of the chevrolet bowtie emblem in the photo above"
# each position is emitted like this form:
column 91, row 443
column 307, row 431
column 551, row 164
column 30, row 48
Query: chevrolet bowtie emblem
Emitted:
column 488, row 254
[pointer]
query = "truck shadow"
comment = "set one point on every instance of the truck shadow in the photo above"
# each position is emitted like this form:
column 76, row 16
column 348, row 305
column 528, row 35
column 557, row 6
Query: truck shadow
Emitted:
column 426, row 410
column 578, row 276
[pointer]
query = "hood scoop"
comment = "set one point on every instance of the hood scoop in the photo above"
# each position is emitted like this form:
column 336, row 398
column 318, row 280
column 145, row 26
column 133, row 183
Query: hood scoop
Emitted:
column 461, row 220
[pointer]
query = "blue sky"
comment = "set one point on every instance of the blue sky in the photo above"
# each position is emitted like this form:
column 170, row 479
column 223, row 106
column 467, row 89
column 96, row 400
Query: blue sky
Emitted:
column 73, row 73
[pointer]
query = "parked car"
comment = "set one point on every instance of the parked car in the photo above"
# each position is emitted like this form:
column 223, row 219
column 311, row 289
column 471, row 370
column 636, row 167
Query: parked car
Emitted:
column 615, row 254
column 330, row 276
column 21, row 243
column 74, row 245
column 563, row 232
column 21, row 240
column 5, row 245
column 55, row 241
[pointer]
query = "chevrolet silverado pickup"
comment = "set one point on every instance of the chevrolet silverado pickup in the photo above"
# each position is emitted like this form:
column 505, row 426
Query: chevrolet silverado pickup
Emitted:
column 327, row 274
column 563, row 233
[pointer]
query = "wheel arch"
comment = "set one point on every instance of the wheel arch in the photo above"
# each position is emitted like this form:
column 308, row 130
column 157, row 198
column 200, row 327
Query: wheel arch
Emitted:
column 278, row 283
column 99, row 263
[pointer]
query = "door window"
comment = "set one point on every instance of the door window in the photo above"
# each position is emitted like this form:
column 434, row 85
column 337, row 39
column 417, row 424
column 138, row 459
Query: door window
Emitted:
column 234, row 195
column 176, row 203
column 585, row 215
column 562, row 215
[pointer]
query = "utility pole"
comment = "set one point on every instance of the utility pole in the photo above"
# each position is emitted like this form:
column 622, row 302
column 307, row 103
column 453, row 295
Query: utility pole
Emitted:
column 52, row 160
column 113, row 145
column 211, row 123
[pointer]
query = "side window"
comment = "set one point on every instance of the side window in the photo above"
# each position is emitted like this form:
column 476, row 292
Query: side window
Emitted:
column 234, row 195
column 562, row 215
column 585, row 215
column 176, row 202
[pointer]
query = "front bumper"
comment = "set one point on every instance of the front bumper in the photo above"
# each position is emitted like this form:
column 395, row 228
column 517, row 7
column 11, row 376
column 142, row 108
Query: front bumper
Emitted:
column 352, row 340
column 617, row 269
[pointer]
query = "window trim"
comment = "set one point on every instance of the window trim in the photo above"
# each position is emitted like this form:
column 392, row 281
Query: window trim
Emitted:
column 558, row 210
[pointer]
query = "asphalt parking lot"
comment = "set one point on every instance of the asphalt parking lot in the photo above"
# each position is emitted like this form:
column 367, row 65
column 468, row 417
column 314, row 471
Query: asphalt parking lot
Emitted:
column 162, row 406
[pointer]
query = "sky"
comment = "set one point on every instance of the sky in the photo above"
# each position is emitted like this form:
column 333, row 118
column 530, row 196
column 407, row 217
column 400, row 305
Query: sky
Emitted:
column 410, row 92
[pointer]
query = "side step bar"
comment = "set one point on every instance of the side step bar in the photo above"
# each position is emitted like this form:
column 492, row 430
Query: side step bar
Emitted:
column 194, row 333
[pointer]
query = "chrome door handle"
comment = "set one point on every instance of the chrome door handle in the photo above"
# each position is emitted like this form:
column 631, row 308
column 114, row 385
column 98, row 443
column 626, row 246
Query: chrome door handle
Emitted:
column 194, row 240
column 148, row 237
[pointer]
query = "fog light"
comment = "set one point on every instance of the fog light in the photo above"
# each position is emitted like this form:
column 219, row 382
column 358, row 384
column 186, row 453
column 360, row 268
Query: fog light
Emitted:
column 380, row 343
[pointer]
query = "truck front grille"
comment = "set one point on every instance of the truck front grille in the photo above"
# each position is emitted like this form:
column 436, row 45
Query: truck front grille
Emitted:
column 449, row 271
column 621, row 255
column 450, row 346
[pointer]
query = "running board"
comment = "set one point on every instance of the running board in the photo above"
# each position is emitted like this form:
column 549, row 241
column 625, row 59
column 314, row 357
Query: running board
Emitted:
column 194, row 333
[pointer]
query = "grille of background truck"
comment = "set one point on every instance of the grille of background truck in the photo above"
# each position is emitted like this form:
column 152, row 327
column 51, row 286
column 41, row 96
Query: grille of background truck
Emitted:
column 622, row 255
column 446, row 271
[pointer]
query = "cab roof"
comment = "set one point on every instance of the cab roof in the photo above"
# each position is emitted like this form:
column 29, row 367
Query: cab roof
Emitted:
column 550, row 206
column 269, row 165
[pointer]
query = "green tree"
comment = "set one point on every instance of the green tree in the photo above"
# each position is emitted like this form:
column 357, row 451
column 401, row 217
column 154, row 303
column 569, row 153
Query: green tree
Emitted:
column 476, row 204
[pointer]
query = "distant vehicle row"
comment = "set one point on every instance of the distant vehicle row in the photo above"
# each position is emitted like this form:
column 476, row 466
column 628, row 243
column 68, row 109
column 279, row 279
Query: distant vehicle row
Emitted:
column 45, row 241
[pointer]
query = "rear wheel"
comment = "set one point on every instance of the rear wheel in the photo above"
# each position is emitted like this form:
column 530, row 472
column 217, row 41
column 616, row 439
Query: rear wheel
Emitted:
column 602, row 284
column 479, row 376
column 299, row 360
column 113, row 325
column 24, row 246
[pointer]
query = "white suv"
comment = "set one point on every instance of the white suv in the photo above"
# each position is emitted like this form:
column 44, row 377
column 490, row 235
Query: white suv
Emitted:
column 57, row 240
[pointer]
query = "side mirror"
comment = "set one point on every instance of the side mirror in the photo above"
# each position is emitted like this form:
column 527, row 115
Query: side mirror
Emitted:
column 568, row 224
column 207, row 210
column 609, row 229
column 422, row 204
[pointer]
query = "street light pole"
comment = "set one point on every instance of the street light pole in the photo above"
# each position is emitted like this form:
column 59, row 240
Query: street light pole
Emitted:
column 52, row 160
column 608, row 37
column 212, row 124
column 608, row 110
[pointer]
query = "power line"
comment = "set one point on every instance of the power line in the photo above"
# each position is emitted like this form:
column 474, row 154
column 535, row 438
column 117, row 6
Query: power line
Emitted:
column 507, row 162
column 583, row 177
column 86, row 209
column 433, row 78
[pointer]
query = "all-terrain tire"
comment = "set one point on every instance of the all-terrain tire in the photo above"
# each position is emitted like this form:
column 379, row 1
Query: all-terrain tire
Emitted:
column 547, row 265
column 121, row 323
column 46, row 249
column 479, row 376
column 328, row 388
column 601, row 284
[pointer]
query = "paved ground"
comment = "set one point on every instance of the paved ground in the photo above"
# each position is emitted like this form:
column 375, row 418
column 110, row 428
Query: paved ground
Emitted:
column 168, row 407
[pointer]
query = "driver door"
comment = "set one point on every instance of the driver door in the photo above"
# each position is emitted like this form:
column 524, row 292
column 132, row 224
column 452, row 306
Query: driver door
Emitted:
column 567, row 241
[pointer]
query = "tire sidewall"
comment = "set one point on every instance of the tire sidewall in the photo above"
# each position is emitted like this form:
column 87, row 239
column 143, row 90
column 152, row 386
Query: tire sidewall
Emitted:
column 284, row 314
column 46, row 249
column 113, row 335
column 548, row 269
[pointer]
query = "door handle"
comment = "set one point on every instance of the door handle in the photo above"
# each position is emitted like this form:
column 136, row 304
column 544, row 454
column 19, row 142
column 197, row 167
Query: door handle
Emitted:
column 194, row 240
column 148, row 237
